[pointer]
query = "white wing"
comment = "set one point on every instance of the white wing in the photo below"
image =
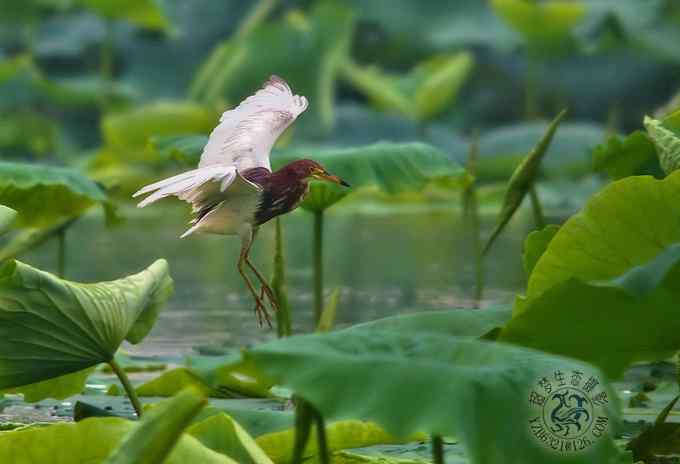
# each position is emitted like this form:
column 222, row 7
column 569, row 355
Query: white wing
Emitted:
column 201, row 187
column 246, row 134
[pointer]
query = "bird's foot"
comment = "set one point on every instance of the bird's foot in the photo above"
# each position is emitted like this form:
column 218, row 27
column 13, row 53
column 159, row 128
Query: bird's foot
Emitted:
column 261, row 312
column 266, row 290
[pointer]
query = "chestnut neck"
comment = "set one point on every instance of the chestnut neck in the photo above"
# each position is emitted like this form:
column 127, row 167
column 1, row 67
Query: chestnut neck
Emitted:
column 282, row 190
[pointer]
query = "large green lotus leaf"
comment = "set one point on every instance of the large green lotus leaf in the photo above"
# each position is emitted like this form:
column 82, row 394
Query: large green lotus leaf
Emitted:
column 51, row 327
column 458, row 322
column 624, row 157
column 627, row 224
column 153, row 439
column 421, row 94
column 304, row 50
column 393, row 167
column 502, row 149
column 666, row 138
column 545, row 25
column 144, row 13
column 610, row 323
column 340, row 435
column 42, row 195
column 7, row 218
column 223, row 434
column 367, row 376
column 523, row 179
column 133, row 128
column 92, row 440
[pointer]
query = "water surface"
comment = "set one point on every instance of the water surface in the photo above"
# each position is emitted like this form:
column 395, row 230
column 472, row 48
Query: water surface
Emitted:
column 401, row 260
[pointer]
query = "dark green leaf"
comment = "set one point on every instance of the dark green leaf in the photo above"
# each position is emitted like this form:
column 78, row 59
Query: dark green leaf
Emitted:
column 43, row 195
column 623, row 158
column 478, row 381
column 459, row 322
column 144, row 13
column 501, row 150
column 393, row 167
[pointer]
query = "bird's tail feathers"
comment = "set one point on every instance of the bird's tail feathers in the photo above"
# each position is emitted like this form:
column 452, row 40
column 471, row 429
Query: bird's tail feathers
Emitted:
column 189, row 231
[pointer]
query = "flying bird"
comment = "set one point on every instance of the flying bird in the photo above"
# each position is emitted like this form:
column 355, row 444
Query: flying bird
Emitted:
column 234, row 191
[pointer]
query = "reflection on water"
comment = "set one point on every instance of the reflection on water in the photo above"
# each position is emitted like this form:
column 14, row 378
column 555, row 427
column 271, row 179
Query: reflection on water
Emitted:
column 384, row 264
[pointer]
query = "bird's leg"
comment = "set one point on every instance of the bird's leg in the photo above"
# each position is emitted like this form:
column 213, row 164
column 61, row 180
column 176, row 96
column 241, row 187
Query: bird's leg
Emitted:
column 260, row 309
column 266, row 289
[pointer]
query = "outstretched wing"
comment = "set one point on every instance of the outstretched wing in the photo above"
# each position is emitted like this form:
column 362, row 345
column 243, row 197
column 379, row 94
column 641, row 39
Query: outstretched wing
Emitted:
column 246, row 134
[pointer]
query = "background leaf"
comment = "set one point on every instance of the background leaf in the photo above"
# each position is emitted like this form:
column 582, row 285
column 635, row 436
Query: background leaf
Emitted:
column 306, row 50
column 667, row 142
column 421, row 94
column 622, row 158
column 7, row 217
column 42, row 195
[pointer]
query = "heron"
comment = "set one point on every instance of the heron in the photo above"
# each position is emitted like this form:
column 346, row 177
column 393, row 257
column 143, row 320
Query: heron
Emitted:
column 234, row 191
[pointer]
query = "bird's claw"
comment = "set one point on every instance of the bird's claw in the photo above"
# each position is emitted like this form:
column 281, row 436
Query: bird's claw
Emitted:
column 261, row 312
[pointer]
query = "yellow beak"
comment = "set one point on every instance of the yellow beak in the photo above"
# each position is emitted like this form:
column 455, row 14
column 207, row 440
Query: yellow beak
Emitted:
column 333, row 178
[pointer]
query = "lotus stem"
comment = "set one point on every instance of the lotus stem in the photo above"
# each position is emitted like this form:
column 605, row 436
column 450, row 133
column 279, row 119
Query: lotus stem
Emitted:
column 61, row 252
column 471, row 214
column 318, row 266
column 321, row 439
column 129, row 389
column 255, row 16
column 539, row 219
column 303, row 426
column 437, row 449
column 283, row 317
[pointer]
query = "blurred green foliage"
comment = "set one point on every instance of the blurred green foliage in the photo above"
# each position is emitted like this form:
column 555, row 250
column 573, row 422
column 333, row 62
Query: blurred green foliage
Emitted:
column 91, row 82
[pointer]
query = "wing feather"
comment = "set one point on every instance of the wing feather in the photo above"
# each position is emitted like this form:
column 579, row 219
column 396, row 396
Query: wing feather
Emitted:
column 247, row 133
column 200, row 187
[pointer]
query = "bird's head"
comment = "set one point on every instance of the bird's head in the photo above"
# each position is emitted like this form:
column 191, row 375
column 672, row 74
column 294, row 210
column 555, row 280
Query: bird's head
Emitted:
column 307, row 169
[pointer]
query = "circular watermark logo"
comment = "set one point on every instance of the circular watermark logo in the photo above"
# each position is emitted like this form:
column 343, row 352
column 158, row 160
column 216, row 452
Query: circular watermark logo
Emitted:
column 568, row 411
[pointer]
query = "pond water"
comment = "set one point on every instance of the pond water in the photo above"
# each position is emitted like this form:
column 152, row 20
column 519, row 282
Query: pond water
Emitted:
column 400, row 260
